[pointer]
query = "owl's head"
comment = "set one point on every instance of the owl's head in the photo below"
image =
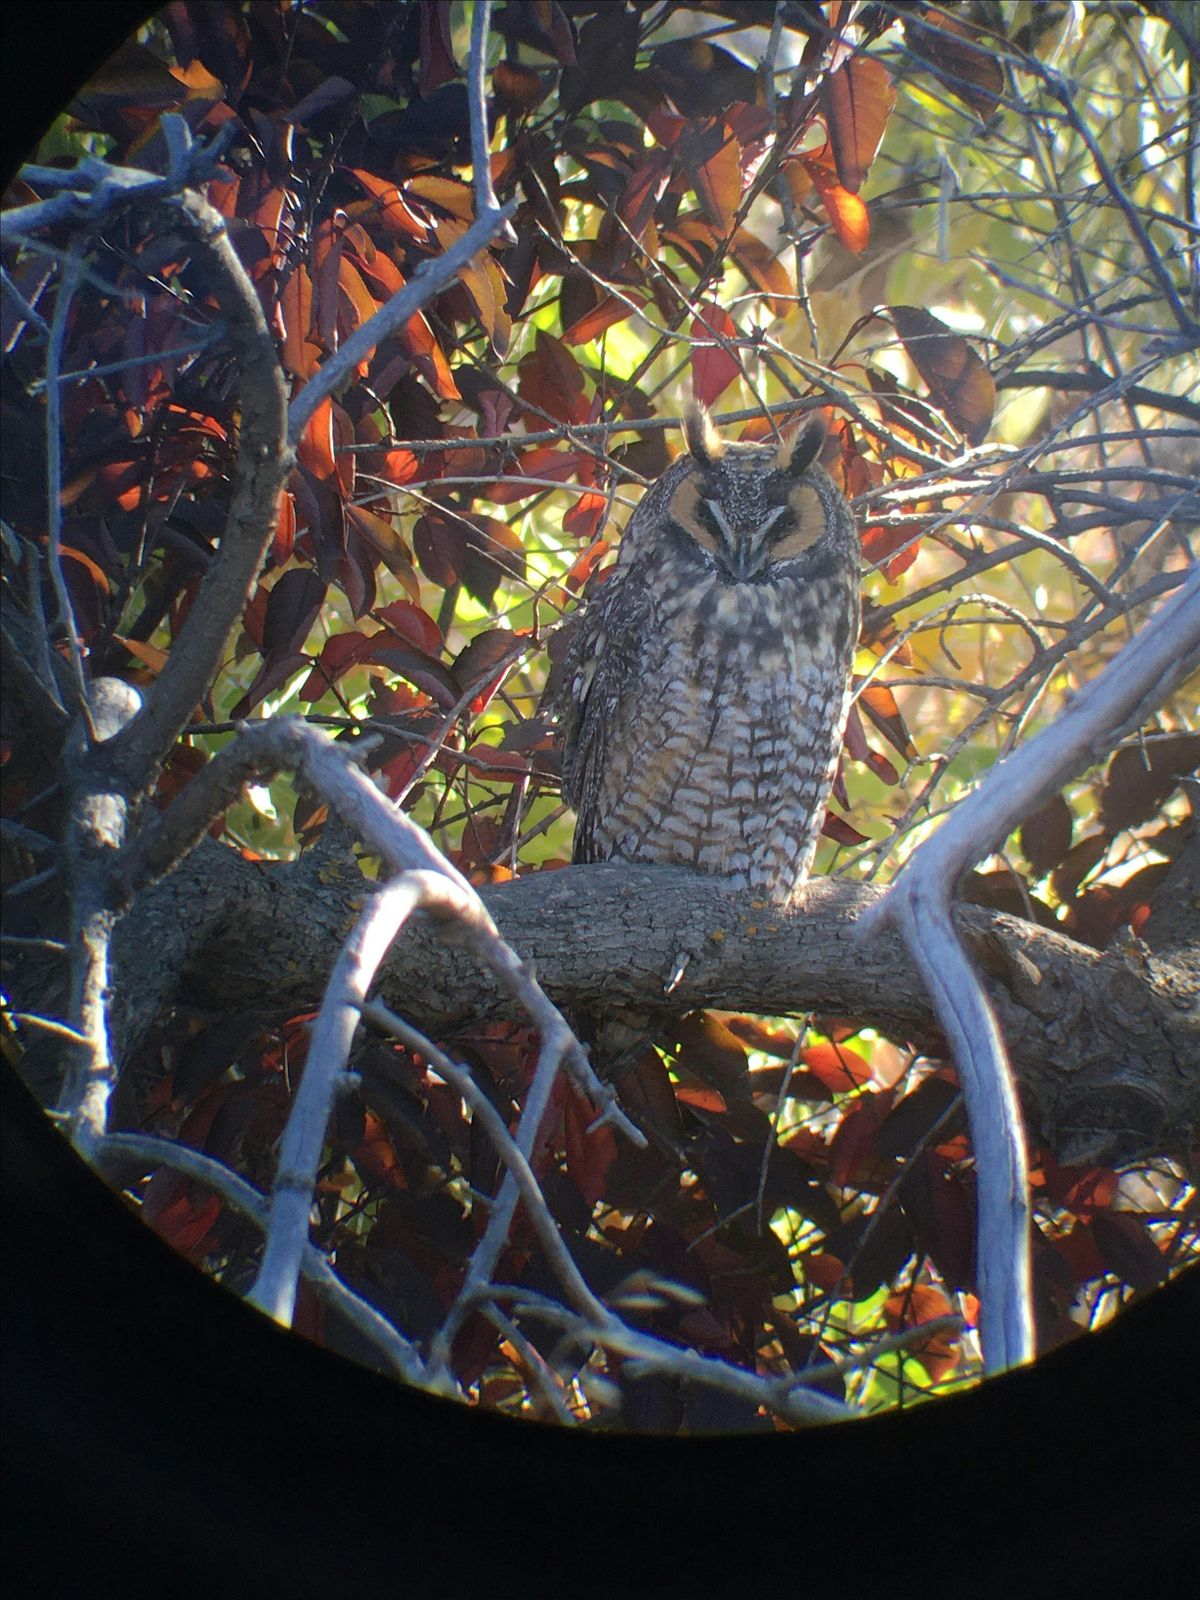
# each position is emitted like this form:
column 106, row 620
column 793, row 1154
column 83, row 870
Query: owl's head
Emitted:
column 752, row 512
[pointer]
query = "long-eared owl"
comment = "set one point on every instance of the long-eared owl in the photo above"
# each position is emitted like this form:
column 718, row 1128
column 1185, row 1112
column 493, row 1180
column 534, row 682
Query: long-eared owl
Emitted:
column 706, row 683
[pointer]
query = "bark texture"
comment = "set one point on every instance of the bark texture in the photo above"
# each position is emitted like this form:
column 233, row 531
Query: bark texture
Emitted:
column 1106, row 1045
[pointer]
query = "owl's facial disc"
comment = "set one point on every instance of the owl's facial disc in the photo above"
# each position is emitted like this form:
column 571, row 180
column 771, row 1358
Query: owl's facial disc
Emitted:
column 804, row 525
column 744, row 534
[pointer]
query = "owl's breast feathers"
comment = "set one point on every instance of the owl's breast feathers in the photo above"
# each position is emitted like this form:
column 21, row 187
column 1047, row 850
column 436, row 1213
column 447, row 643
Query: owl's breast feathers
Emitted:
column 704, row 722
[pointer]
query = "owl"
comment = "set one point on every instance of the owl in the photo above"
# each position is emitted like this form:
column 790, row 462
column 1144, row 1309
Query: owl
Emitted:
column 705, row 687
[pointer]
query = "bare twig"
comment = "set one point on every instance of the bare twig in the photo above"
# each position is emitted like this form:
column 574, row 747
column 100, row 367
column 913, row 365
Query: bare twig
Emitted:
column 248, row 1202
column 486, row 204
column 325, row 1073
column 506, row 1147
column 919, row 902
column 68, row 284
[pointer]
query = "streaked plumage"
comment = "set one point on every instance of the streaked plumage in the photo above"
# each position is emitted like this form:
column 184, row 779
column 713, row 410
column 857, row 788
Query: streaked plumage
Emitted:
column 705, row 686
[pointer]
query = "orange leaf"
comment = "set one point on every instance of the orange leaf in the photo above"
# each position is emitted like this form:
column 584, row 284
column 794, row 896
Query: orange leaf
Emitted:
column 379, row 267
column 315, row 446
column 846, row 211
column 939, row 1352
column 714, row 158
column 484, row 283
column 391, row 208
column 284, row 540
column 762, row 266
column 607, row 311
column 96, row 573
column 881, row 706
column 838, row 1067
column 961, row 55
column 400, row 466
column 149, row 654
column 360, row 297
column 590, row 1154
column 295, row 314
column 445, row 193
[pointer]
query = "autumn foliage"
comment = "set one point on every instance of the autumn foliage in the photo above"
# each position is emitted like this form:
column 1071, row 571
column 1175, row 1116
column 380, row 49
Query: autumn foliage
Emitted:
column 675, row 210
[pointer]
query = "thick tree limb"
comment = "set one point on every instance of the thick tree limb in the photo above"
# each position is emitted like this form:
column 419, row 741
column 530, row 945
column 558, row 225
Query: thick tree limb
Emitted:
column 1103, row 1046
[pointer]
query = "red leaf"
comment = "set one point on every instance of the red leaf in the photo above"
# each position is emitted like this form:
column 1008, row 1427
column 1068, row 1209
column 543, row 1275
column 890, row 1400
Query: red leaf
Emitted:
column 1128, row 1249
column 713, row 368
column 1083, row 1191
column 855, row 1164
column 486, row 661
column 184, row 1221
column 291, row 608
column 585, row 516
column 438, row 65
column 423, row 671
column 1046, row 835
column 441, row 548
column 878, row 543
column 411, row 623
column 374, row 1157
column 839, row 830
column 337, row 656
column 550, row 378
column 644, row 189
column 589, row 1155
column 607, row 311
column 1140, row 778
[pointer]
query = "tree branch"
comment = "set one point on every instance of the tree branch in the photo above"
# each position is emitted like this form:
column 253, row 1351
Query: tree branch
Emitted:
column 1105, row 1044
column 918, row 903
column 242, row 1197
column 325, row 1074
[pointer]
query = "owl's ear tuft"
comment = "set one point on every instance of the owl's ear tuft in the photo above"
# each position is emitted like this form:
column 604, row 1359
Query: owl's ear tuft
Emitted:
column 799, row 452
column 704, row 443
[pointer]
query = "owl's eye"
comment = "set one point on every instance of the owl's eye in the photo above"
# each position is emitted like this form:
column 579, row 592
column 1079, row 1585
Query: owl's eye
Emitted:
column 694, row 515
column 804, row 524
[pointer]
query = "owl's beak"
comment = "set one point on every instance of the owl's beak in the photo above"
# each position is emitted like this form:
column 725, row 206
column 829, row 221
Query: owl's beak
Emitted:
column 743, row 555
